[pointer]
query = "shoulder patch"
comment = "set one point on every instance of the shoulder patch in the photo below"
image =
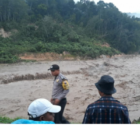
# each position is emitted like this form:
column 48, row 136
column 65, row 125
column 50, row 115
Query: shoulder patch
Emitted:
column 65, row 85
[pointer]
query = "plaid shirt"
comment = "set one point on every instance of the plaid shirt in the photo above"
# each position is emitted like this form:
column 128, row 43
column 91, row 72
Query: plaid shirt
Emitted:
column 106, row 110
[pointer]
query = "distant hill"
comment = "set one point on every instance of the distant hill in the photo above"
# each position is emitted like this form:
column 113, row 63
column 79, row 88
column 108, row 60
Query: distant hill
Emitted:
column 134, row 14
column 82, row 29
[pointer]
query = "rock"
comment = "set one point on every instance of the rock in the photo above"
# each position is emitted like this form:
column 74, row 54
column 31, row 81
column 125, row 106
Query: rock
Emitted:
column 103, row 56
column 137, row 97
column 65, row 53
column 106, row 64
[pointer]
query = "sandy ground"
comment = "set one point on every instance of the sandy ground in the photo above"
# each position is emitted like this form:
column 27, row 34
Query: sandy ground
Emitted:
column 17, row 94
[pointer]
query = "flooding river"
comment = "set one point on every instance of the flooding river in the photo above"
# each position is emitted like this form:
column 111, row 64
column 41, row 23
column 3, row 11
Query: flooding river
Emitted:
column 22, row 83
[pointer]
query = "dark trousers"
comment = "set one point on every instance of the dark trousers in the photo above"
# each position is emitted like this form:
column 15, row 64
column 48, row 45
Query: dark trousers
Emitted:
column 59, row 119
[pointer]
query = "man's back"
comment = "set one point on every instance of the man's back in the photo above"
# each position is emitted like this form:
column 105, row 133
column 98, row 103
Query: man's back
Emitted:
column 106, row 110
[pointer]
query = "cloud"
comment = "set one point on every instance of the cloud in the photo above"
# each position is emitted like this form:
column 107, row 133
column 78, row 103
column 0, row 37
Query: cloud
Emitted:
column 132, row 6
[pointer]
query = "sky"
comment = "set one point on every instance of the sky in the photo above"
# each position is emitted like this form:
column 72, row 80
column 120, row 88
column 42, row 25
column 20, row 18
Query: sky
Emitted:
column 127, row 6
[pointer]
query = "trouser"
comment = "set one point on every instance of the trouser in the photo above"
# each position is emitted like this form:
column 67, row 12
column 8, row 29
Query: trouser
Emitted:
column 59, row 119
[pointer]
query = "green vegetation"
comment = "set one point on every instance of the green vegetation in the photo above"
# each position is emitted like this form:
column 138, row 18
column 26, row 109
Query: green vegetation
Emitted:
column 138, row 122
column 6, row 120
column 63, row 25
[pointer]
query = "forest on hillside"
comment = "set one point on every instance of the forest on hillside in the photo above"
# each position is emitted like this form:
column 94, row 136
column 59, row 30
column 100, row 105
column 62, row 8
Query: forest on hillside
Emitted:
column 63, row 25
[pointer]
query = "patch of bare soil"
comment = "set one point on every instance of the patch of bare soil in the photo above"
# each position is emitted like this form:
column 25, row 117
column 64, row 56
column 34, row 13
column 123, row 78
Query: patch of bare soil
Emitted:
column 46, row 56
column 5, row 34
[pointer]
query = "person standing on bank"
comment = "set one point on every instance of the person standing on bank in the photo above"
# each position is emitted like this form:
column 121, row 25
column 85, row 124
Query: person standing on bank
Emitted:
column 60, row 90
column 106, row 110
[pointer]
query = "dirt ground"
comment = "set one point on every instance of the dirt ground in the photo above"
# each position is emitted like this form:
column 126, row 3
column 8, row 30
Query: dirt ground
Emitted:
column 22, row 83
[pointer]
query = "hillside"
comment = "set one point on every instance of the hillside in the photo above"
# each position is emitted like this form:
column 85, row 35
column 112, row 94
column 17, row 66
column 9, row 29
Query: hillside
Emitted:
column 82, row 28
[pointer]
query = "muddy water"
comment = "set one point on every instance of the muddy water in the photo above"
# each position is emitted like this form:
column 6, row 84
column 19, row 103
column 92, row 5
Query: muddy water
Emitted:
column 26, row 82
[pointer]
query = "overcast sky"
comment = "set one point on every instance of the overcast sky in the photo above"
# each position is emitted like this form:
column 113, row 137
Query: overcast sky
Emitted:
column 132, row 6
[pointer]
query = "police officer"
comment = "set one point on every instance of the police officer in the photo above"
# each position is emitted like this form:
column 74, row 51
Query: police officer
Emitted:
column 60, row 90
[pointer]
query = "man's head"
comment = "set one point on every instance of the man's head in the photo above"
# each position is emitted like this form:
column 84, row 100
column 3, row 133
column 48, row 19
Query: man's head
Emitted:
column 42, row 110
column 105, row 86
column 54, row 70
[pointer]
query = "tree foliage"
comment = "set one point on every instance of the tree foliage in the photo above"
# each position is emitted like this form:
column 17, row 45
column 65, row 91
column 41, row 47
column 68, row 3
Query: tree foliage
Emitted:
column 63, row 25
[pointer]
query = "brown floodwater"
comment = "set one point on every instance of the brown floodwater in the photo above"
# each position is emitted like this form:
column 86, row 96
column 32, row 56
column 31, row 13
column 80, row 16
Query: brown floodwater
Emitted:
column 21, row 83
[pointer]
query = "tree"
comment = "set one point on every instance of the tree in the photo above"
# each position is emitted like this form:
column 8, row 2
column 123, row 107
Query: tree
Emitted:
column 14, row 10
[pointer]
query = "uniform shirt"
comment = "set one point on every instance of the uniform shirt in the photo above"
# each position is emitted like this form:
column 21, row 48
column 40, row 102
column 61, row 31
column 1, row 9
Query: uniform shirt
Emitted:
column 106, row 110
column 23, row 121
column 60, row 87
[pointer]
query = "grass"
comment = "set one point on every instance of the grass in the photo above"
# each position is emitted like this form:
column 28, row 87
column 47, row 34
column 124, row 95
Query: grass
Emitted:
column 6, row 120
column 136, row 122
column 27, row 60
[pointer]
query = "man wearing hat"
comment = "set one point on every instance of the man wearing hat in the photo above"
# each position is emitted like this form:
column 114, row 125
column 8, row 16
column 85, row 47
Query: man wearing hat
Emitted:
column 60, row 90
column 106, row 110
column 40, row 111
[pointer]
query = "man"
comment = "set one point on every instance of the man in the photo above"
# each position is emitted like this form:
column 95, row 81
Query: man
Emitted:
column 106, row 110
column 60, row 90
column 40, row 111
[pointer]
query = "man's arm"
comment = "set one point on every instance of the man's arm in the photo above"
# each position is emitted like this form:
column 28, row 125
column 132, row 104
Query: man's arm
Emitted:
column 64, row 93
column 56, row 101
column 65, row 86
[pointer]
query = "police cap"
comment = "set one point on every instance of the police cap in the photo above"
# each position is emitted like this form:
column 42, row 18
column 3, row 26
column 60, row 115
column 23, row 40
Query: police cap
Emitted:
column 54, row 67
